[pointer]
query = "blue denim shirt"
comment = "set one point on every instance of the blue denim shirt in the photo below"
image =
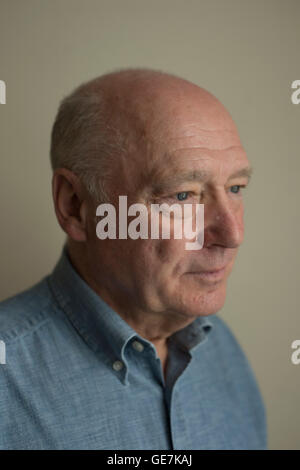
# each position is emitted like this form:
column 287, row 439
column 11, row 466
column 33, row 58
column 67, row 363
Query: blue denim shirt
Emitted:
column 79, row 377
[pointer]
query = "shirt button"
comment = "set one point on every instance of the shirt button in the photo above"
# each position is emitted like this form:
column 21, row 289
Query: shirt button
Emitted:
column 138, row 346
column 117, row 365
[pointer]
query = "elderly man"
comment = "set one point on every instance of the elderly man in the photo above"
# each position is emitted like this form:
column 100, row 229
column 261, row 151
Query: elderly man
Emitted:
column 121, row 346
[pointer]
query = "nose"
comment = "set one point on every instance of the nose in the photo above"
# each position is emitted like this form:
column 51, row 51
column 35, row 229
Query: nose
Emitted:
column 223, row 222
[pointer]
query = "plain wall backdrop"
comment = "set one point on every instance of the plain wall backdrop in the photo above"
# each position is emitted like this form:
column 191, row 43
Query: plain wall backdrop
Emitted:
column 246, row 52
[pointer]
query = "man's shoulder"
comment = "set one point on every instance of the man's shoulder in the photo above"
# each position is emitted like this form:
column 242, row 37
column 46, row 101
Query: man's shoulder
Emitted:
column 226, row 349
column 225, row 365
column 228, row 352
column 224, row 335
column 25, row 311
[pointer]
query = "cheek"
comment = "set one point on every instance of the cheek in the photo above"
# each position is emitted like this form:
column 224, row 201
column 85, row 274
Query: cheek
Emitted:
column 241, row 223
column 162, row 259
column 170, row 252
column 163, row 252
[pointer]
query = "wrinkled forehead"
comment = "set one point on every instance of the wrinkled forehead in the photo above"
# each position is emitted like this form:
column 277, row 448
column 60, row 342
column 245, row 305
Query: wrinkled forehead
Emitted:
column 192, row 148
column 188, row 124
column 182, row 133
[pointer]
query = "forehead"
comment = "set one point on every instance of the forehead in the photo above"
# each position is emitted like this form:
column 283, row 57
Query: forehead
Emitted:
column 209, row 154
column 180, row 139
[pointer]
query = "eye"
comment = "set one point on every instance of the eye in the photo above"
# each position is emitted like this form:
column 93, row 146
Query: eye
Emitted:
column 236, row 188
column 182, row 196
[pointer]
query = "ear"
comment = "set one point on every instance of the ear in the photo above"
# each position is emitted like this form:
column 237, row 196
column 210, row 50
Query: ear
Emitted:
column 70, row 203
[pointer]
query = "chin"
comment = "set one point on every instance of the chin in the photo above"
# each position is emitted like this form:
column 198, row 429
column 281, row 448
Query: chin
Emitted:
column 207, row 302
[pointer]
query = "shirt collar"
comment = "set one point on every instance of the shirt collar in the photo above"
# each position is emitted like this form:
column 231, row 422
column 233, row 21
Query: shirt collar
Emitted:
column 99, row 325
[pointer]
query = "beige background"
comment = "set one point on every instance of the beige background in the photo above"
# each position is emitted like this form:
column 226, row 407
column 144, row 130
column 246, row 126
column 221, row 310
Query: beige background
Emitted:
column 244, row 51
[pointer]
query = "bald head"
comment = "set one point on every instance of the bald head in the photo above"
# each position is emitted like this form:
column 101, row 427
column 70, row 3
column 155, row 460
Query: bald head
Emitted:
column 148, row 97
column 127, row 112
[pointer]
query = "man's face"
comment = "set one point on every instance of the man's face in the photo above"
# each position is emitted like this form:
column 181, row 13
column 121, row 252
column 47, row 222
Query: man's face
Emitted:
column 190, row 164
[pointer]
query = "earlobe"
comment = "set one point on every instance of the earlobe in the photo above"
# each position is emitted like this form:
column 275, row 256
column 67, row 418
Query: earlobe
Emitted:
column 69, row 203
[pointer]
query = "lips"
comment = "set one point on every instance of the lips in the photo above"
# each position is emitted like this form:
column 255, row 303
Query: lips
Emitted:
column 210, row 275
column 212, row 270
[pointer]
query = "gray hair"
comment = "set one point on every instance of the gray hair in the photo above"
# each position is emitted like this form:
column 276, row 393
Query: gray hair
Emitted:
column 91, row 128
column 83, row 140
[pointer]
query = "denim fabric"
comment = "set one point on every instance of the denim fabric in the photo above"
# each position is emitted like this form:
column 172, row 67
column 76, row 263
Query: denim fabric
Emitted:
column 79, row 377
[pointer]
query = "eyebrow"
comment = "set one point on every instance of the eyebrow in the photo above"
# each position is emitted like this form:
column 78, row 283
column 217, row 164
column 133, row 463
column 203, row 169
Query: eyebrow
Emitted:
column 196, row 175
column 244, row 172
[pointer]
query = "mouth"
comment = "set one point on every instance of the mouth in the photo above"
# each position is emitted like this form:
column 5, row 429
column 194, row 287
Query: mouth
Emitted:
column 212, row 275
